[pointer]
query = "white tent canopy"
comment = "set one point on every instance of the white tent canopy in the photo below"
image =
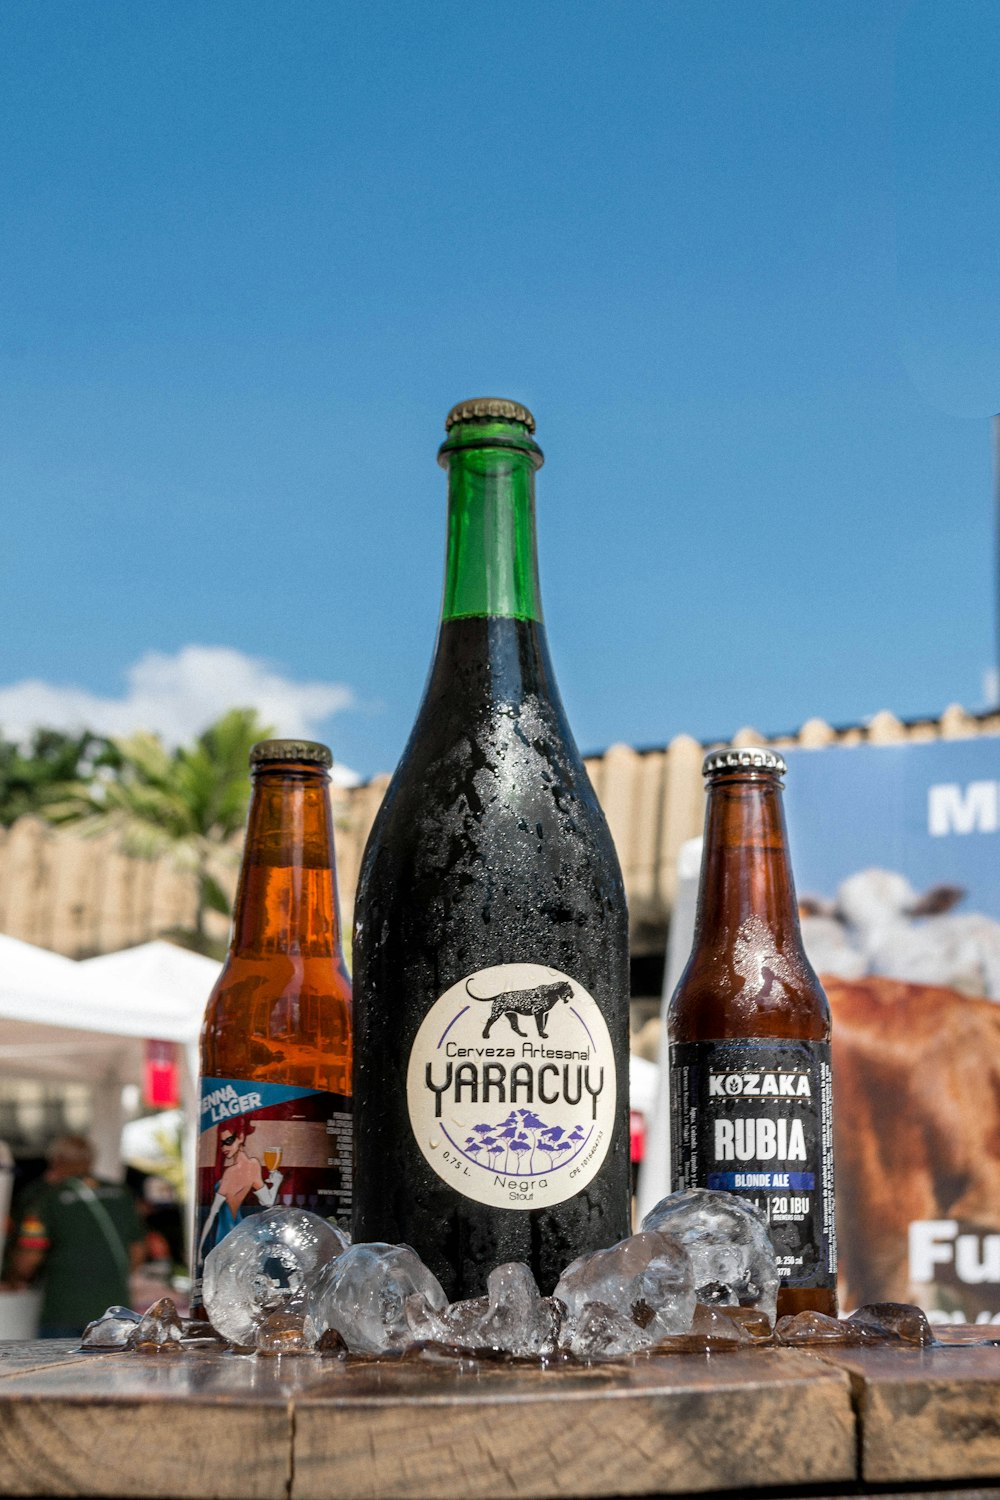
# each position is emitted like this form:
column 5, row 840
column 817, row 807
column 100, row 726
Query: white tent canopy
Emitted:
column 88, row 1022
column 171, row 983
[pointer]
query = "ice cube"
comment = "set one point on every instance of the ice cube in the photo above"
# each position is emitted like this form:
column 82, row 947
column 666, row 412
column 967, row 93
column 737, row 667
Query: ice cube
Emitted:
column 196, row 1331
column 718, row 1327
column 514, row 1318
column 757, row 1324
column 730, row 1248
column 426, row 1324
column 810, row 1328
column 520, row 1320
column 281, row 1333
column 893, row 1321
column 713, row 1330
column 158, row 1328
column 363, row 1294
column 266, row 1265
column 111, row 1330
column 599, row 1332
column 645, row 1281
column 465, row 1324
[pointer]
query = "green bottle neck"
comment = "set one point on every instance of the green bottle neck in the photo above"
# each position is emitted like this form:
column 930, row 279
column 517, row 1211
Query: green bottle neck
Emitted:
column 492, row 566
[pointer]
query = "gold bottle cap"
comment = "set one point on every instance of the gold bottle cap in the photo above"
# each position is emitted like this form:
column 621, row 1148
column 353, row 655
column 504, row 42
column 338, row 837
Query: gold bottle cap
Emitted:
column 309, row 751
column 746, row 758
column 483, row 408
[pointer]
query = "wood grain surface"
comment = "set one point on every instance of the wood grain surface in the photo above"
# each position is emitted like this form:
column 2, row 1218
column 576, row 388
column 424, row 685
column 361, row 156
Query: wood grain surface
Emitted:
column 926, row 1414
column 207, row 1423
column 659, row 1426
column 173, row 1426
column 213, row 1424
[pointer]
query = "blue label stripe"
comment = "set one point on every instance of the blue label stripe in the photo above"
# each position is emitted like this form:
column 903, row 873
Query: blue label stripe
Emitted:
column 794, row 1182
column 228, row 1098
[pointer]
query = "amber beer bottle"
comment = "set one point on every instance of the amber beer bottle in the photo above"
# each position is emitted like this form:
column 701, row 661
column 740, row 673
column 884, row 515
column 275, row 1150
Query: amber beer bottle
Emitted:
column 749, row 1031
column 275, row 1088
column 491, row 937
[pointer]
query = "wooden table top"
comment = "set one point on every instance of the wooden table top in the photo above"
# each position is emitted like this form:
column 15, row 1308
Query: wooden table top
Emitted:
column 203, row 1422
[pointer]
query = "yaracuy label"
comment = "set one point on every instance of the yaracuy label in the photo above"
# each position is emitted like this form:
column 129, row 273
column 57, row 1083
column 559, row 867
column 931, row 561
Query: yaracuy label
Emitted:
column 511, row 1086
column 264, row 1145
column 756, row 1118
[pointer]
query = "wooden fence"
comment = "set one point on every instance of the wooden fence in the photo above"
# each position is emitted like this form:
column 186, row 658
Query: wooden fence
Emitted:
column 82, row 896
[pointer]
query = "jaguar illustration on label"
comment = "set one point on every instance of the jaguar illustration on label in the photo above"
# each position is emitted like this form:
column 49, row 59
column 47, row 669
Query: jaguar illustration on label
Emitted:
column 511, row 1086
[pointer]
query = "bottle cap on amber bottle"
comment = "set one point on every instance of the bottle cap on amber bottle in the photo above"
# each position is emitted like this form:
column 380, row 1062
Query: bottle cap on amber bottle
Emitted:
column 746, row 758
column 486, row 408
column 310, row 752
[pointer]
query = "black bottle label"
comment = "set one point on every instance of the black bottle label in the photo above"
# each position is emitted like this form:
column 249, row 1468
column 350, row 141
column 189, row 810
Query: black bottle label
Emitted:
column 511, row 1087
column 756, row 1118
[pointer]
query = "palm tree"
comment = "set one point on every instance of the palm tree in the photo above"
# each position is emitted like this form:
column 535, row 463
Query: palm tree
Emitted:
column 32, row 775
column 188, row 803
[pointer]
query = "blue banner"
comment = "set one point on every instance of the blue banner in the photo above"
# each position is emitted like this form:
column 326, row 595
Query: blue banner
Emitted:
column 930, row 812
column 896, row 853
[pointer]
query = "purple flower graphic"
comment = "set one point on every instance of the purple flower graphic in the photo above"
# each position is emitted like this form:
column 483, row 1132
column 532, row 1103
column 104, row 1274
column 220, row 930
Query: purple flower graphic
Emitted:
column 520, row 1138
column 519, row 1145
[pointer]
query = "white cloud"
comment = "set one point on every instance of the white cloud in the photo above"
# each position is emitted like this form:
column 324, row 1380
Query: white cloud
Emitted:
column 177, row 697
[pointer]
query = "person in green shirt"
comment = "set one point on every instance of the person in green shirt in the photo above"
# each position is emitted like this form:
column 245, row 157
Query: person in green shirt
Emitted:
column 78, row 1238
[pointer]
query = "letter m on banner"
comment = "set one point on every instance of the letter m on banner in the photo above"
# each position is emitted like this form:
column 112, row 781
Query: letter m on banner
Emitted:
column 955, row 809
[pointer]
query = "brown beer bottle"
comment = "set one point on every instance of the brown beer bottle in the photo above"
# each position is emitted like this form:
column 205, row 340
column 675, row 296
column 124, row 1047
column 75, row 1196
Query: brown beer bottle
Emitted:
column 275, row 1089
column 749, row 1031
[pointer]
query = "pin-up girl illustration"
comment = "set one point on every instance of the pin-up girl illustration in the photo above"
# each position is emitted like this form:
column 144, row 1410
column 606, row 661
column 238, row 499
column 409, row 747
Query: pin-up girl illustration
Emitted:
column 240, row 1174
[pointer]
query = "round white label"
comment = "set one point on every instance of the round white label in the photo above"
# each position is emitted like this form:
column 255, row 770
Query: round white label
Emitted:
column 511, row 1086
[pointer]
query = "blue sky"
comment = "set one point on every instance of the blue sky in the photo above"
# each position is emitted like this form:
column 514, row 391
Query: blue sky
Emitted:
column 740, row 260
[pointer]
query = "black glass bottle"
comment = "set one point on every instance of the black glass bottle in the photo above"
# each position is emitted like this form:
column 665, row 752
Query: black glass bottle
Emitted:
column 491, row 936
